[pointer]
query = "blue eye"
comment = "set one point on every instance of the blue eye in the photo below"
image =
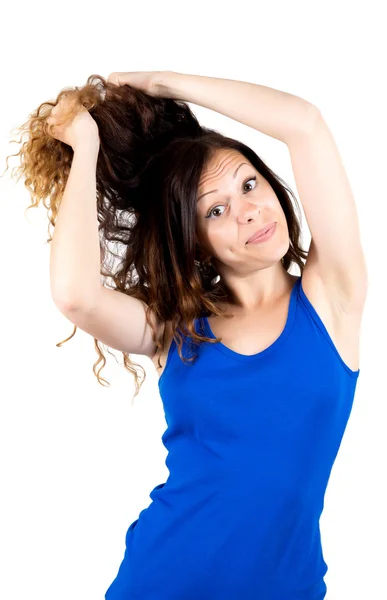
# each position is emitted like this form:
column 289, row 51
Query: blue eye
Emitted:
column 209, row 214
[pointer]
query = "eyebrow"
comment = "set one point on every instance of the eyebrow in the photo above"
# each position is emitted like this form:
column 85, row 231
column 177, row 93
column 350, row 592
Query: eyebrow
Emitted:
column 235, row 174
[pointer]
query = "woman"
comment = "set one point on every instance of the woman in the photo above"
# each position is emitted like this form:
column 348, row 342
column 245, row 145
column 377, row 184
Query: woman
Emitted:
column 255, row 416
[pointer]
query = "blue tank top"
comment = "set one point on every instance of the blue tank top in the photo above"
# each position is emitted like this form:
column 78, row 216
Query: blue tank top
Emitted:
column 251, row 443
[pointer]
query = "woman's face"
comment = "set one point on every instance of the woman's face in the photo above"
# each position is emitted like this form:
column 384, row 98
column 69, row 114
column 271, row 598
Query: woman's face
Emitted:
column 243, row 203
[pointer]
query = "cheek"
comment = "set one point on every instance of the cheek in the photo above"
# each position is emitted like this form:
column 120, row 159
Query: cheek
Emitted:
column 219, row 235
column 203, row 239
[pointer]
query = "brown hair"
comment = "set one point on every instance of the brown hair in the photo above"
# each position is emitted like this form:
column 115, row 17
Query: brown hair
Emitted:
column 152, row 154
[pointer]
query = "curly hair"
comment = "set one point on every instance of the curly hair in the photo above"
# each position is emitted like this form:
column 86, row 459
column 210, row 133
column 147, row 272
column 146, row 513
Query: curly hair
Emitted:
column 152, row 154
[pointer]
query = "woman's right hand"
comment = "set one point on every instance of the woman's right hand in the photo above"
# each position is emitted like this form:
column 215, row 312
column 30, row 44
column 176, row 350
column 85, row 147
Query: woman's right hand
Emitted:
column 82, row 126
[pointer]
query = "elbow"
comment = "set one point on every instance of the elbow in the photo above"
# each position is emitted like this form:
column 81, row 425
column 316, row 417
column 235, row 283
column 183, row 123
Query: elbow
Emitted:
column 313, row 116
column 69, row 303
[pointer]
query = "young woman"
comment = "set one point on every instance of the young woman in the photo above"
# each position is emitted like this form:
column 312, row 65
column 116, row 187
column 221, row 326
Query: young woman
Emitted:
column 258, row 367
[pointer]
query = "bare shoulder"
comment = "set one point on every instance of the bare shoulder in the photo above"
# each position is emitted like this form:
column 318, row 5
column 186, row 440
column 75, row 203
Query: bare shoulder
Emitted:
column 343, row 322
column 327, row 296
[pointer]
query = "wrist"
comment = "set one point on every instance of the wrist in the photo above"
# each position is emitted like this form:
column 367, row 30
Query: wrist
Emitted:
column 167, row 85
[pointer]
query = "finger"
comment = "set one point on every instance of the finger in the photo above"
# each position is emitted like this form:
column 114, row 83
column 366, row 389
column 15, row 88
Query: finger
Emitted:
column 113, row 78
column 126, row 78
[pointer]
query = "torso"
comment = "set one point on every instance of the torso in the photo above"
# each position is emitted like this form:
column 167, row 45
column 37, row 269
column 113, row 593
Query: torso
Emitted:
column 239, row 333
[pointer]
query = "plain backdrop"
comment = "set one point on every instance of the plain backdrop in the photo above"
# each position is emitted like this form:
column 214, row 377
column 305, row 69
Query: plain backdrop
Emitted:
column 77, row 460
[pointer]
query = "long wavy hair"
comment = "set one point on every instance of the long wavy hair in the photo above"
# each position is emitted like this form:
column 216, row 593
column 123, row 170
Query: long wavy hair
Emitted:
column 152, row 154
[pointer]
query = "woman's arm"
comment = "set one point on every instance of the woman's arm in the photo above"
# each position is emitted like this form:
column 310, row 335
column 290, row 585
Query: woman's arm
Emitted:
column 273, row 112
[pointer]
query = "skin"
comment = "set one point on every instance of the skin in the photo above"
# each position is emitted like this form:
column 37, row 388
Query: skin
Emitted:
column 254, row 271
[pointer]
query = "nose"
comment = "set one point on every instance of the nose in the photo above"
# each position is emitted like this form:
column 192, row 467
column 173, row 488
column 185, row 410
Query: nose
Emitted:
column 247, row 210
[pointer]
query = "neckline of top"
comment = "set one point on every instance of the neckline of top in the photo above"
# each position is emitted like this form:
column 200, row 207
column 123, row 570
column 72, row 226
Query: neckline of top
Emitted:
column 281, row 338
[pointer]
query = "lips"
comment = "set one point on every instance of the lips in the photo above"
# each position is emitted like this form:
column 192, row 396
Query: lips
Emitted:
column 260, row 232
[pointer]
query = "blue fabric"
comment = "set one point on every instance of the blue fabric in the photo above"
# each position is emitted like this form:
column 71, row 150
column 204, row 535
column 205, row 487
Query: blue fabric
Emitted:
column 251, row 443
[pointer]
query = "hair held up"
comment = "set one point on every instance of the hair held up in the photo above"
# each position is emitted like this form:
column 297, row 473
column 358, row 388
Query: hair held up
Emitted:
column 152, row 154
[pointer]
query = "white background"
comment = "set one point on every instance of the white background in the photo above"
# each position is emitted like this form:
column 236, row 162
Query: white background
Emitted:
column 77, row 460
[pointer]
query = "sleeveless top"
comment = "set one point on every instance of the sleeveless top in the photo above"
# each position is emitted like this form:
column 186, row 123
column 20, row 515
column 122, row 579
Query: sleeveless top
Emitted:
column 251, row 443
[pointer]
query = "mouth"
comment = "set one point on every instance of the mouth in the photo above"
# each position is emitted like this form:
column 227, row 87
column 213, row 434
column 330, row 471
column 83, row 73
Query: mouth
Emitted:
column 262, row 233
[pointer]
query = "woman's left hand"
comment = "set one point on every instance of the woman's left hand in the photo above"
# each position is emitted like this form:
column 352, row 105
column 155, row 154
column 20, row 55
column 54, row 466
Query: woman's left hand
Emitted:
column 149, row 82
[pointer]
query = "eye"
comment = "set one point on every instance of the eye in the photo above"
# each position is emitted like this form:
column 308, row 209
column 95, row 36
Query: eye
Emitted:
column 209, row 214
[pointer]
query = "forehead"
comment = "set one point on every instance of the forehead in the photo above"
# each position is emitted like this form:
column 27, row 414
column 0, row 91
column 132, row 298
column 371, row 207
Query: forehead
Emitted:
column 231, row 164
column 221, row 162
